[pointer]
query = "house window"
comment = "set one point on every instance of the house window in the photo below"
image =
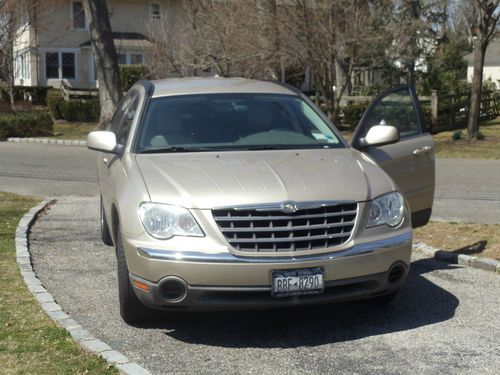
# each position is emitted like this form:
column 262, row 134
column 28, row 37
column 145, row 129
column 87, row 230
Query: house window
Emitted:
column 60, row 65
column 68, row 65
column 130, row 58
column 155, row 10
column 78, row 15
column 52, row 65
column 136, row 59
column 122, row 58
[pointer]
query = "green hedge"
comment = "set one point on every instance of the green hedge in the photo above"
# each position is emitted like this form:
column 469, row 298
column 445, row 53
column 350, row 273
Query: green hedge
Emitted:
column 38, row 94
column 73, row 111
column 26, row 124
column 352, row 114
column 130, row 74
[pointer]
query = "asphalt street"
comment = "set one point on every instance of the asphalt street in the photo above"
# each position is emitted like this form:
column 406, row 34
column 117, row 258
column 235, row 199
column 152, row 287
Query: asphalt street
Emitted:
column 466, row 190
column 444, row 321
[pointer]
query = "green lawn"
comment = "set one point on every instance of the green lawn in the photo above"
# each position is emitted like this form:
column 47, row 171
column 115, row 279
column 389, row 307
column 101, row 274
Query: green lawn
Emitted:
column 30, row 343
column 72, row 130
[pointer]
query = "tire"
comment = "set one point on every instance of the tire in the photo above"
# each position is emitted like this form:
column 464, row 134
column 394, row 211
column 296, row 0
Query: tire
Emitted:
column 132, row 310
column 105, row 233
column 384, row 299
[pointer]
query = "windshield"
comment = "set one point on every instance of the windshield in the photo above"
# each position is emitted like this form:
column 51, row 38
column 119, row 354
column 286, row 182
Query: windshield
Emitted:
column 232, row 122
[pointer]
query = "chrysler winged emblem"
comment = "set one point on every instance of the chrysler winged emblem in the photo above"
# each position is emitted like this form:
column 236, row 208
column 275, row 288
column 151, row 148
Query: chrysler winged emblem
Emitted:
column 289, row 207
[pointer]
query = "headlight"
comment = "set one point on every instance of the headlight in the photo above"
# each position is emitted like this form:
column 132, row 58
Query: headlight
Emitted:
column 164, row 221
column 388, row 209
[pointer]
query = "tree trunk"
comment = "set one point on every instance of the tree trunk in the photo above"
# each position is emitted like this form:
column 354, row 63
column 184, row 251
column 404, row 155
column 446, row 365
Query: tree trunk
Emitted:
column 477, row 86
column 269, row 38
column 108, row 74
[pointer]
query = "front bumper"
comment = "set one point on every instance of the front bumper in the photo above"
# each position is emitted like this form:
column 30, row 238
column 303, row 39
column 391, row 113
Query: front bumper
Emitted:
column 226, row 281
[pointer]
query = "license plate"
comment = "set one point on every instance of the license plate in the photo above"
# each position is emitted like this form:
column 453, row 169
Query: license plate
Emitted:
column 297, row 282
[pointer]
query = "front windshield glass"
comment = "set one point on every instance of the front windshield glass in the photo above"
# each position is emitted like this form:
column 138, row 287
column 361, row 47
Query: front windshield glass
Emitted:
column 232, row 122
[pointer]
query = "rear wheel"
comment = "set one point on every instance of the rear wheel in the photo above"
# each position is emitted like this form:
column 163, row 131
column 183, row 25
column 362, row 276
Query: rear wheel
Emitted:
column 105, row 233
column 132, row 310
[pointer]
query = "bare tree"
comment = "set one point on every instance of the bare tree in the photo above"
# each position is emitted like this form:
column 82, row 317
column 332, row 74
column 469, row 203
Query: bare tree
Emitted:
column 108, row 74
column 483, row 22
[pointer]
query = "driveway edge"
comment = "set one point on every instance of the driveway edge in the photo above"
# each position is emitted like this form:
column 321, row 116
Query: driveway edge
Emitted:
column 79, row 334
column 48, row 141
column 482, row 263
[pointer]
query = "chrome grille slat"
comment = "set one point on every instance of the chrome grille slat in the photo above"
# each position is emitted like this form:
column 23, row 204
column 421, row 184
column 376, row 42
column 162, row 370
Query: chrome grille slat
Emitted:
column 288, row 239
column 261, row 218
column 287, row 228
column 257, row 229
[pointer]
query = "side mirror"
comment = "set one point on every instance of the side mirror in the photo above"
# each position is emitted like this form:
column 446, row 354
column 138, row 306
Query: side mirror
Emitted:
column 104, row 141
column 380, row 135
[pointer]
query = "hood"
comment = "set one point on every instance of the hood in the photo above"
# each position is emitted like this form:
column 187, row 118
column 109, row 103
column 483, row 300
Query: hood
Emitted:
column 209, row 179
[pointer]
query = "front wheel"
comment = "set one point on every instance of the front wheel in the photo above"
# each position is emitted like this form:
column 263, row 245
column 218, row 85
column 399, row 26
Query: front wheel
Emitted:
column 105, row 233
column 132, row 310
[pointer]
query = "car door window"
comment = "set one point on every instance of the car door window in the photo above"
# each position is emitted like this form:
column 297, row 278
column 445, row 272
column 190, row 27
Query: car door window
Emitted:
column 396, row 109
column 124, row 117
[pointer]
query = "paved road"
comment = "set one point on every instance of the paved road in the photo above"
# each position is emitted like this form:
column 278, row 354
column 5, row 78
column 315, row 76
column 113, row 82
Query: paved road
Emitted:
column 466, row 190
column 47, row 170
column 445, row 321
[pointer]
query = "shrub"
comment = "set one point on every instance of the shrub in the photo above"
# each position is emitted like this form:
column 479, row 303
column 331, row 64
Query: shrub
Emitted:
column 55, row 101
column 480, row 136
column 130, row 74
column 352, row 114
column 84, row 111
column 25, row 124
column 35, row 94
column 457, row 135
column 74, row 111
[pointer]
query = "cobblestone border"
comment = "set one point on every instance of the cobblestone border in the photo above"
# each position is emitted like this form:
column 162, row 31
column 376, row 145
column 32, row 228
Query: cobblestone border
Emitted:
column 486, row 264
column 79, row 334
column 47, row 141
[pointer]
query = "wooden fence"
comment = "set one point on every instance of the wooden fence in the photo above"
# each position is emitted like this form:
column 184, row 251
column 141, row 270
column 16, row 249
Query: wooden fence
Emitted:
column 442, row 112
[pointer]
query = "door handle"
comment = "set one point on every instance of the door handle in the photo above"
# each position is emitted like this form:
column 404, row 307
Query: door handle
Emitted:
column 422, row 150
column 105, row 161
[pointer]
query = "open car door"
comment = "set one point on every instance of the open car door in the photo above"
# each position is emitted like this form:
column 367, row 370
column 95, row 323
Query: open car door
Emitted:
column 410, row 161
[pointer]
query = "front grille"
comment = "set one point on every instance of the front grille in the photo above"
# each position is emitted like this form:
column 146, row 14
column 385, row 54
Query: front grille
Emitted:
column 271, row 230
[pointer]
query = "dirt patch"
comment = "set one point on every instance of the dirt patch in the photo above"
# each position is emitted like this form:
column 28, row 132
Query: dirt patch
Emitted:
column 482, row 240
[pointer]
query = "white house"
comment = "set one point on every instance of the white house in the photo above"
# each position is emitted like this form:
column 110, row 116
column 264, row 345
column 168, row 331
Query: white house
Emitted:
column 491, row 64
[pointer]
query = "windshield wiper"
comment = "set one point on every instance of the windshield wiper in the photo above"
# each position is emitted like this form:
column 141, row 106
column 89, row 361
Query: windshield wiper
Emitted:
column 177, row 149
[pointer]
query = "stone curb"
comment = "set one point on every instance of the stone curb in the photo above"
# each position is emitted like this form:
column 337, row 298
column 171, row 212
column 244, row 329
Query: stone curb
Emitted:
column 79, row 334
column 45, row 141
column 486, row 264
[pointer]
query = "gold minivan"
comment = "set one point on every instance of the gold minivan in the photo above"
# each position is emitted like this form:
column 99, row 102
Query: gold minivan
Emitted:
column 229, row 193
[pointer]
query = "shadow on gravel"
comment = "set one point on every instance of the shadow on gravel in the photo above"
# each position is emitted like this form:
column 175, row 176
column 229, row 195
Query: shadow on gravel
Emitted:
column 418, row 304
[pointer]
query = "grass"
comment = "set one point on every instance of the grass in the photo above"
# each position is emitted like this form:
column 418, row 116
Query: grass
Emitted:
column 30, row 343
column 489, row 148
column 72, row 130
column 481, row 240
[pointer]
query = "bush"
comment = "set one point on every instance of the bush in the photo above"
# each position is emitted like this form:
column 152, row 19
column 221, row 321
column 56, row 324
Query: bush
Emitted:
column 35, row 94
column 73, row 111
column 352, row 114
column 130, row 74
column 480, row 136
column 457, row 135
column 55, row 102
column 79, row 111
column 25, row 124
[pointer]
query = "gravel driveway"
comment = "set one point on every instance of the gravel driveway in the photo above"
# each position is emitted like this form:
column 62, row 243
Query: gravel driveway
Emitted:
column 445, row 321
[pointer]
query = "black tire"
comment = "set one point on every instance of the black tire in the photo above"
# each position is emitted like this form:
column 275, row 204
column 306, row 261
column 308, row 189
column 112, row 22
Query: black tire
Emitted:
column 105, row 233
column 132, row 310
column 385, row 299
